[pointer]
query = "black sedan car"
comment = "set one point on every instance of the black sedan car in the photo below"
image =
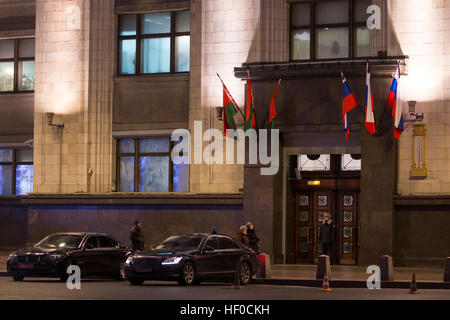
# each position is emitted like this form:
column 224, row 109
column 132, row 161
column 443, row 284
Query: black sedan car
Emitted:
column 96, row 254
column 191, row 258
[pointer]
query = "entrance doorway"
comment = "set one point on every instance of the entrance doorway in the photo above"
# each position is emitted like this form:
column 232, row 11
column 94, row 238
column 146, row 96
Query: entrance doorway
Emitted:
column 335, row 191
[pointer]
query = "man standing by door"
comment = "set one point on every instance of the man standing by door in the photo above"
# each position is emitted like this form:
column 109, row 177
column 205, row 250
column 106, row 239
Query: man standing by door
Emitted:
column 136, row 236
column 326, row 237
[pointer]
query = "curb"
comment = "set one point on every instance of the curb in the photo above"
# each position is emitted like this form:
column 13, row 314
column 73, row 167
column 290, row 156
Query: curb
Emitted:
column 337, row 283
column 351, row 283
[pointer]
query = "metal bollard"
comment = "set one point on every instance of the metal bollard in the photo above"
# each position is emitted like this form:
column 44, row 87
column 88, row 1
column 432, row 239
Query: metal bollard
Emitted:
column 264, row 268
column 323, row 264
column 386, row 268
column 447, row 270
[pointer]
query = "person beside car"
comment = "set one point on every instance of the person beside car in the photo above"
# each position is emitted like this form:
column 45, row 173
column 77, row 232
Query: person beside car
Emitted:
column 137, row 236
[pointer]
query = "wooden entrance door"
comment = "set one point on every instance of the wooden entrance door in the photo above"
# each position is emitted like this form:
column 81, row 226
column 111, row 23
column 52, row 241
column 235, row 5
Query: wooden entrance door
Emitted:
column 311, row 207
column 349, row 230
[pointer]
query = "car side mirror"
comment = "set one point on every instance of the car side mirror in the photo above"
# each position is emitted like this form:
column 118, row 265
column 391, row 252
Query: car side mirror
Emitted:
column 88, row 246
column 209, row 248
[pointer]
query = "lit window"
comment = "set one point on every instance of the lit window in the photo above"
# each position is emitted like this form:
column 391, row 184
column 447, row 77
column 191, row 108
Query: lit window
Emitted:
column 314, row 162
column 16, row 171
column 153, row 43
column 323, row 30
column 145, row 165
column 17, row 65
column 351, row 162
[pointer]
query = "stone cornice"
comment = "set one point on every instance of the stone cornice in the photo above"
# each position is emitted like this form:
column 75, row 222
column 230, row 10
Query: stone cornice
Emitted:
column 118, row 198
column 379, row 67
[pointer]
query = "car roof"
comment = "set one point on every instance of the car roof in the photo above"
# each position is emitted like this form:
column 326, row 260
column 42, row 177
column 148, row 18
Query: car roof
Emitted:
column 83, row 233
column 200, row 234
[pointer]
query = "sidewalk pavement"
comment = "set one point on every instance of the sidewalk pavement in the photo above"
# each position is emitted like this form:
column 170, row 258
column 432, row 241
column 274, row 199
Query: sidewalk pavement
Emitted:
column 340, row 272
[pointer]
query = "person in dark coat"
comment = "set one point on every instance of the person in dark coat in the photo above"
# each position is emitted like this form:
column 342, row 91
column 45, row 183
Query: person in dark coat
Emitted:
column 326, row 237
column 242, row 235
column 252, row 237
column 137, row 236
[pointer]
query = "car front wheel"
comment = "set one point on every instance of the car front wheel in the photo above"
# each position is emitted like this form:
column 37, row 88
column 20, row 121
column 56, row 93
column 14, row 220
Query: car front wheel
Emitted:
column 136, row 282
column 18, row 277
column 245, row 273
column 188, row 274
column 63, row 276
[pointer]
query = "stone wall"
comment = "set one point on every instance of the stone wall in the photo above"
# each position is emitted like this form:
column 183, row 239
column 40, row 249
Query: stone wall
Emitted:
column 161, row 214
column 420, row 30
column 225, row 34
column 73, row 74
column 421, row 231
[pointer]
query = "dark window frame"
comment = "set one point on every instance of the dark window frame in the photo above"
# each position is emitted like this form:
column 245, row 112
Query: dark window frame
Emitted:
column 14, row 163
column 16, row 61
column 138, row 37
column 136, row 155
column 312, row 27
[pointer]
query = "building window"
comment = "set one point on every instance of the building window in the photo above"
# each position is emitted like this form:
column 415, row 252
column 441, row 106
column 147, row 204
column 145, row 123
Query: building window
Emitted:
column 330, row 30
column 351, row 162
column 153, row 43
column 17, row 65
column 16, row 171
column 314, row 162
column 145, row 165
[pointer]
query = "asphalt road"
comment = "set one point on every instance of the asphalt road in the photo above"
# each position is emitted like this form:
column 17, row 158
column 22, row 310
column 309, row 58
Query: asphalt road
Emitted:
column 49, row 289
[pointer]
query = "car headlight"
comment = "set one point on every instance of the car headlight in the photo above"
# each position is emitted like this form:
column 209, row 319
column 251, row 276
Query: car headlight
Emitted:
column 173, row 260
column 129, row 261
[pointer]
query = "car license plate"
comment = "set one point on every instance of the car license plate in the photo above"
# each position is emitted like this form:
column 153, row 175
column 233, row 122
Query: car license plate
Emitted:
column 26, row 266
column 144, row 269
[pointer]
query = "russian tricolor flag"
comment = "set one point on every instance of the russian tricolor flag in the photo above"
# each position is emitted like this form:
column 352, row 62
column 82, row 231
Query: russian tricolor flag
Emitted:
column 348, row 104
column 370, row 119
column 395, row 103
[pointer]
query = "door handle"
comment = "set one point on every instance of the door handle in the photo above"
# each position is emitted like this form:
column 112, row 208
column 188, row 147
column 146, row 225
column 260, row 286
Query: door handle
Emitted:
column 359, row 234
column 307, row 235
column 315, row 235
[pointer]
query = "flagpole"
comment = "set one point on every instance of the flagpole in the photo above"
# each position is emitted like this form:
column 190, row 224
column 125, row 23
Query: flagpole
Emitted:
column 231, row 96
column 254, row 107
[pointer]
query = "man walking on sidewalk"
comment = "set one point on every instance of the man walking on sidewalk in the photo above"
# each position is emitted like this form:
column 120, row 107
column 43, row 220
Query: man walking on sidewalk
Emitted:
column 136, row 236
column 326, row 237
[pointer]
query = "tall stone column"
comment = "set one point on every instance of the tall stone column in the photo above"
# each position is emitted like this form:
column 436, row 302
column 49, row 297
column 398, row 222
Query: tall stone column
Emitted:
column 73, row 69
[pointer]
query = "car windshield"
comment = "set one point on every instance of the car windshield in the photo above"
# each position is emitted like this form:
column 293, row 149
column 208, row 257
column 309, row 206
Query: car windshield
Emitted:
column 61, row 241
column 180, row 242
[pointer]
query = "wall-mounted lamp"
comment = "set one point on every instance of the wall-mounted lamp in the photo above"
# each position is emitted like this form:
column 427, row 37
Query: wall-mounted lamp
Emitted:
column 412, row 111
column 219, row 111
column 49, row 116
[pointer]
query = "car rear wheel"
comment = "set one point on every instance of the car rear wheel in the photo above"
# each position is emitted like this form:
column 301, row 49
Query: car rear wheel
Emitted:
column 188, row 274
column 245, row 273
column 18, row 277
column 136, row 282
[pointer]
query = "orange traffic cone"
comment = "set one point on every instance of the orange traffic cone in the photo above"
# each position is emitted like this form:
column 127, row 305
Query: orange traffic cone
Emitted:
column 326, row 285
column 413, row 288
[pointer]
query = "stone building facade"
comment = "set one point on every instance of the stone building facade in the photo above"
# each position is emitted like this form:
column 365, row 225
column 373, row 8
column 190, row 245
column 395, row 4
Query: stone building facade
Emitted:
column 95, row 172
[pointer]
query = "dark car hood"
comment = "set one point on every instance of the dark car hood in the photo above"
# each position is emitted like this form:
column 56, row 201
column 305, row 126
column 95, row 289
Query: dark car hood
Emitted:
column 163, row 252
column 41, row 250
